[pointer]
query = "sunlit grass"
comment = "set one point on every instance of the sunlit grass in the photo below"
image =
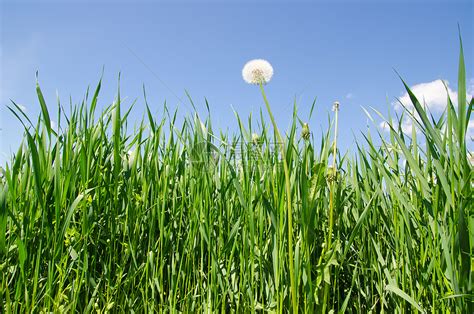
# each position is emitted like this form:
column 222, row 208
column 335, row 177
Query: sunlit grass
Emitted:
column 180, row 218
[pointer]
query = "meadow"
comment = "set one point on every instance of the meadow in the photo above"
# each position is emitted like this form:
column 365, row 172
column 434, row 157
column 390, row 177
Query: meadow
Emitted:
column 178, row 217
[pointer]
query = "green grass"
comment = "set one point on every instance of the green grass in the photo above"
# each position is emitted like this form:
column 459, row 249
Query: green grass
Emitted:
column 201, row 221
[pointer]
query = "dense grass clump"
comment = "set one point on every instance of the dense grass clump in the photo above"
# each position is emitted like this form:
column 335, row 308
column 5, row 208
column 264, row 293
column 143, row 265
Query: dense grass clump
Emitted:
column 181, row 218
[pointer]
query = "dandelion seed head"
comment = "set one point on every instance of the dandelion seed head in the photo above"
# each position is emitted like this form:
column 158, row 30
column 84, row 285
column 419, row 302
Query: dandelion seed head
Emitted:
column 335, row 106
column 257, row 71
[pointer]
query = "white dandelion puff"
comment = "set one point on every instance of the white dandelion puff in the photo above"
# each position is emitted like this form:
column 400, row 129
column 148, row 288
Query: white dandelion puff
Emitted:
column 257, row 71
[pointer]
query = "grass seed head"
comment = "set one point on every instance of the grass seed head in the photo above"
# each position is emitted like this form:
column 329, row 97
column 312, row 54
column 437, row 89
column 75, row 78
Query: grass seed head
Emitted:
column 332, row 174
column 255, row 138
column 305, row 133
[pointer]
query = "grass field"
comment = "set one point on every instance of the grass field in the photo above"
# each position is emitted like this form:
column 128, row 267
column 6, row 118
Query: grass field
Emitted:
column 181, row 218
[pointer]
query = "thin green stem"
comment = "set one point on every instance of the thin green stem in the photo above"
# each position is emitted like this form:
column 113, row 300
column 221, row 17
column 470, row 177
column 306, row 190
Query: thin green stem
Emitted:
column 332, row 188
column 288, row 203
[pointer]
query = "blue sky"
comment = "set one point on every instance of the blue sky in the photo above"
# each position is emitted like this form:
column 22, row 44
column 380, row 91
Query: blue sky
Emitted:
column 345, row 51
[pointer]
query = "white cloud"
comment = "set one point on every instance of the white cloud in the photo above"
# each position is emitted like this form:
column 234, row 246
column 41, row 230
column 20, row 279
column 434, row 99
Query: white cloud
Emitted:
column 349, row 96
column 470, row 155
column 470, row 87
column 407, row 125
column 54, row 125
column 432, row 95
column 384, row 126
column 470, row 130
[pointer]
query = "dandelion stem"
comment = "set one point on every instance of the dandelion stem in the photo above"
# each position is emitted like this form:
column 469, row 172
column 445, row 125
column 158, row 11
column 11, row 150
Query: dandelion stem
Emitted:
column 332, row 188
column 288, row 203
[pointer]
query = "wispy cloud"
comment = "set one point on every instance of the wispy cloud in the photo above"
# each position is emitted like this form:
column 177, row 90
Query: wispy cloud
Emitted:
column 384, row 126
column 349, row 96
